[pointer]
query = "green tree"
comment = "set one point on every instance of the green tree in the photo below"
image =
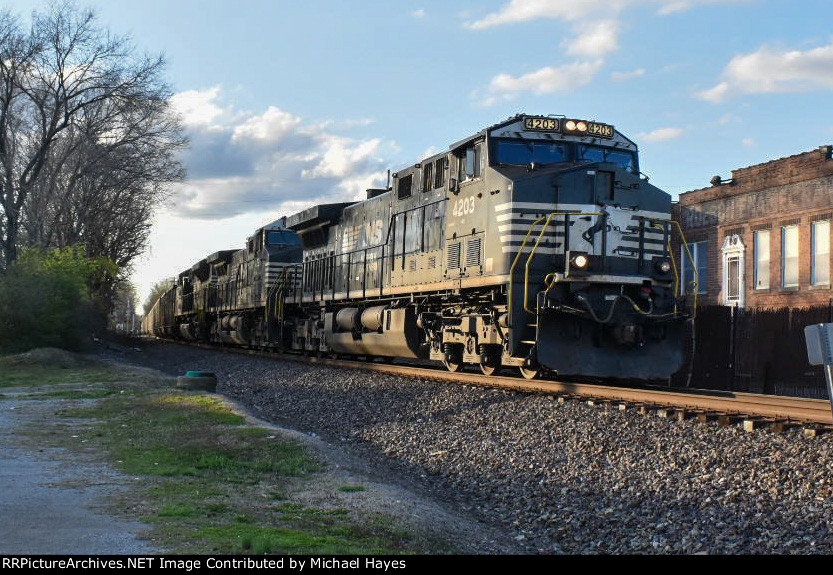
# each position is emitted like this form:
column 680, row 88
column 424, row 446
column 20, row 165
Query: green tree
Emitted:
column 48, row 299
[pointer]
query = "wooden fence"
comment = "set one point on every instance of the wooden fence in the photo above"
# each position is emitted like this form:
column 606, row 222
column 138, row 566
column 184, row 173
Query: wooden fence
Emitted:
column 759, row 351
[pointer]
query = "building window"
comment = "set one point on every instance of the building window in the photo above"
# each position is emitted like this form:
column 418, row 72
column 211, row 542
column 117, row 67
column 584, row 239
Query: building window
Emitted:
column 733, row 279
column 821, row 252
column 762, row 259
column 789, row 256
column 733, row 266
column 698, row 261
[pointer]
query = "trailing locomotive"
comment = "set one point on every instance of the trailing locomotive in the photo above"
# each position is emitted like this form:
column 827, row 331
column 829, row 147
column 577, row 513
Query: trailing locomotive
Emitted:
column 535, row 243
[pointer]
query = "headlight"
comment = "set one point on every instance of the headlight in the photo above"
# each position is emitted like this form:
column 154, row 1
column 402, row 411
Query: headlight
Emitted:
column 570, row 125
column 580, row 261
column 581, row 127
column 663, row 266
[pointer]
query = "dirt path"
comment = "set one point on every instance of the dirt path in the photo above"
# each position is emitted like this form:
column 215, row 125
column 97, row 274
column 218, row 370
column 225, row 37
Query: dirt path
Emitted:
column 53, row 502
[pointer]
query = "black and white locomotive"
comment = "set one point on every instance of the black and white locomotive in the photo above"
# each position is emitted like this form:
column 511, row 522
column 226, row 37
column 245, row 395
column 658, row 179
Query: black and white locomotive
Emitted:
column 535, row 243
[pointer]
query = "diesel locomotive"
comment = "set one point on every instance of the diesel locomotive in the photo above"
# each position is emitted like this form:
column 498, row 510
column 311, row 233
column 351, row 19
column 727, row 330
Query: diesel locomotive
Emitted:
column 535, row 243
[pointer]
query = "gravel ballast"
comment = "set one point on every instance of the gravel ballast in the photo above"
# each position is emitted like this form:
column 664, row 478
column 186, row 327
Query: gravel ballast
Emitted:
column 553, row 477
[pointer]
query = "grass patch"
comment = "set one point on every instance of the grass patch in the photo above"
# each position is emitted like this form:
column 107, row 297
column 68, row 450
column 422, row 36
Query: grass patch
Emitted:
column 78, row 394
column 237, row 539
column 29, row 376
column 208, row 482
column 352, row 488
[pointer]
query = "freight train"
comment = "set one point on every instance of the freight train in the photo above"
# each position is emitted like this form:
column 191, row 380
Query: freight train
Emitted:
column 534, row 244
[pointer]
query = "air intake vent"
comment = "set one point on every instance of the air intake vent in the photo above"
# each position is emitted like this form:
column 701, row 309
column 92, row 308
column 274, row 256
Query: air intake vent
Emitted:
column 453, row 256
column 412, row 266
column 432, row 262
column 473, row 252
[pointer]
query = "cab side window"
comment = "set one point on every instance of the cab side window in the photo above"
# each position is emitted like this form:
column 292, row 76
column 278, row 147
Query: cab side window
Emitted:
column 468, row 162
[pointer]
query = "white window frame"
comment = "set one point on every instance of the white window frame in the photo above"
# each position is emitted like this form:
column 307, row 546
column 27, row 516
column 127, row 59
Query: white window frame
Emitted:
column 734, row 250
column 762, row 280
column 815, row 245
column 784, row 283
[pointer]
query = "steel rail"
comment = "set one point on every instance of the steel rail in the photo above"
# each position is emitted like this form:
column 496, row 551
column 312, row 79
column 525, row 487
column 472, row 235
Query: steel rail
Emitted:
column 781, row 408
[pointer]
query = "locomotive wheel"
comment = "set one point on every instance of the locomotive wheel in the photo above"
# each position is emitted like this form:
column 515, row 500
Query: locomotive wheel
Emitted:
column 530, row 371
column 451, row 366
column 489, row 369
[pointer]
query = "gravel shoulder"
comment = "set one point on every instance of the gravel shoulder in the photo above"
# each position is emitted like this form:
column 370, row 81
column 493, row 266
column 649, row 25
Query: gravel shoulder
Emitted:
column 69, row 501
column 548, row 477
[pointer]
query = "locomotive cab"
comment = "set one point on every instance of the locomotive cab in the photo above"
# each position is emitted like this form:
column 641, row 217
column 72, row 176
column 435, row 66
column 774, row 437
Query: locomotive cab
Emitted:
column 592, row 288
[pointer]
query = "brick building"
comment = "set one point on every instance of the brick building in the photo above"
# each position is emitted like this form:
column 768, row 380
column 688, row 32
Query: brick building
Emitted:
column 762, row 238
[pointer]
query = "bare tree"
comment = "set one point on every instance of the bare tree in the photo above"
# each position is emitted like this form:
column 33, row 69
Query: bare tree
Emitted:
column 88, row 144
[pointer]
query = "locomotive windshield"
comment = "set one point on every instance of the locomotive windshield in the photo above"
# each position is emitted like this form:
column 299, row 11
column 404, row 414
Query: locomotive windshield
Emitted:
column 523, row 152
column 282, row 238
column 517, row 152
column 599, row 154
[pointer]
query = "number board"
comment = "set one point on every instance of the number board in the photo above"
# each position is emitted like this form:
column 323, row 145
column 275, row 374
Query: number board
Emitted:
column 569, row 127
column 539, row 124
column 600, row 130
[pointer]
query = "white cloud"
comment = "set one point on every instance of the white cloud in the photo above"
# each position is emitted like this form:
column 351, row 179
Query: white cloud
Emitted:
column 418, row 13
column 771, row 70
column 547, row 80
column 271, row 126
column 427, row 153
column 596, row 27
column 661, row 135
column 725, row 119
column 714, row 95
column 597, row 39
column 749, row 142
column 244, row 162
column 197, row 108
column 525, row 10
column 570, row 10
column 625, row 76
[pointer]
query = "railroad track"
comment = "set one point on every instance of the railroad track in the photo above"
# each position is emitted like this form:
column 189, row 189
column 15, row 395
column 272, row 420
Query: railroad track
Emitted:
column 750, row 409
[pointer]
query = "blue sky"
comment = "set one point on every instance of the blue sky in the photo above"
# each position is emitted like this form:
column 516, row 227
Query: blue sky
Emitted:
column 289, row 103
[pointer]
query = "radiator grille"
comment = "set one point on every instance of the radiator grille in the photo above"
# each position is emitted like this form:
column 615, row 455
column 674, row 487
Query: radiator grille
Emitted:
column 473, row 252
column 453, row 256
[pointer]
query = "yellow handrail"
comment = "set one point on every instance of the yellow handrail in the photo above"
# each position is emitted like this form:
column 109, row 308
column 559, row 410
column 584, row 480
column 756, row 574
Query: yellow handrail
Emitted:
column 529, row 261
column 696, row 283
column 515, row 263
column 549, row 279
column 548, row 218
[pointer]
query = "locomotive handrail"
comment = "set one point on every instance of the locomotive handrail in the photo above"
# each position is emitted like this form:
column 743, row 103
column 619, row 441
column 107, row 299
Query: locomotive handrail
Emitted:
column 379, row 251
column 537, row 222
column 678, row 280
column 537, row 243
column 549, row 281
